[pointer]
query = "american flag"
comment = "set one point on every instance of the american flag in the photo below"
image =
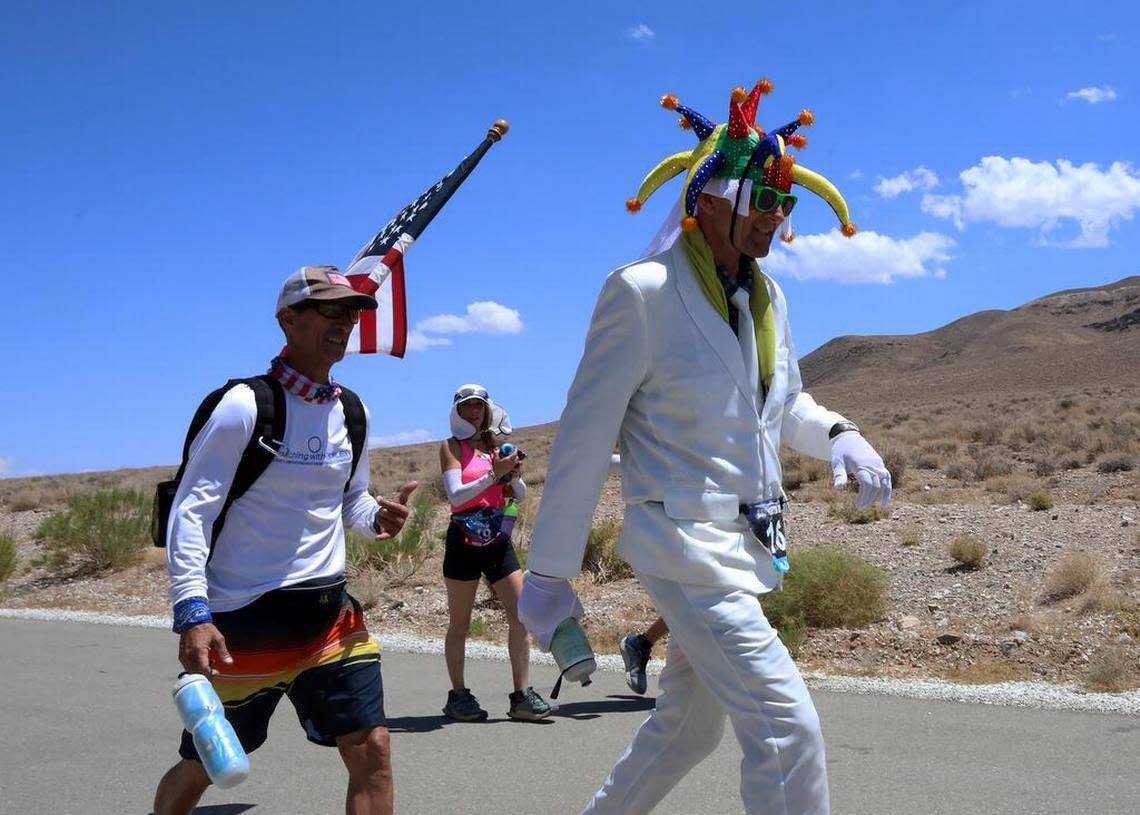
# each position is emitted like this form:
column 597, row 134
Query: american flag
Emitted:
column 378, row 268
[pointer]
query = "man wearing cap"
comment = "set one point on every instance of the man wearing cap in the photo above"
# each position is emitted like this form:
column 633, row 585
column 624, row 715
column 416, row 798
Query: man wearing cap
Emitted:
column 689, row 363
column 261, row 607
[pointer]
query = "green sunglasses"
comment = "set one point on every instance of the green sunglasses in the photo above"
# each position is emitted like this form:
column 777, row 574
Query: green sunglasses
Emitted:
column 766, row 199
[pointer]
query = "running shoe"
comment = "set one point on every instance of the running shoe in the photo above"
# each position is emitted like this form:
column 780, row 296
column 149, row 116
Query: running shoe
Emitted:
column 463, row 706
column 528, row 705
column 635, row 650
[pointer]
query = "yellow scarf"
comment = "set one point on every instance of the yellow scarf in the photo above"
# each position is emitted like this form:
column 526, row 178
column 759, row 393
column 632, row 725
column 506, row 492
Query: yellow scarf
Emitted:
column 701, row 257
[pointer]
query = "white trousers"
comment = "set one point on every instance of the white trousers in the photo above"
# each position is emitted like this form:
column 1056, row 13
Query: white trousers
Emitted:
column 723, row 659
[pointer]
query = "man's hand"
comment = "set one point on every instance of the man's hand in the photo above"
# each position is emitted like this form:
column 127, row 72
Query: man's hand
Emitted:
column 195, row 646
column 851, row 454
column 544, row 603
column 392, row 515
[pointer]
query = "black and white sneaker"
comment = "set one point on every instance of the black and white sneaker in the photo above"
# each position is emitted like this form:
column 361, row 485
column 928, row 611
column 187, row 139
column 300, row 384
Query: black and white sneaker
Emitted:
column 635, row 651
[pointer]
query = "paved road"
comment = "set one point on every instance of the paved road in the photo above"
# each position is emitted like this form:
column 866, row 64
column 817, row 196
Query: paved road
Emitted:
column 87, row 726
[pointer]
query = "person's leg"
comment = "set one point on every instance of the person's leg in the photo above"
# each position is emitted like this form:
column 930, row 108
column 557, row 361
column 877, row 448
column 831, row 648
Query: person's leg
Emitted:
column 686, row 725
column 460, row 602
column 367, row 755
column 739, row 659
column 518, row 646
column 179, row 790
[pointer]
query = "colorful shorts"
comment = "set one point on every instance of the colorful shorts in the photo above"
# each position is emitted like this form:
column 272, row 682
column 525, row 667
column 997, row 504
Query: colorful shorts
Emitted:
column 309, row 644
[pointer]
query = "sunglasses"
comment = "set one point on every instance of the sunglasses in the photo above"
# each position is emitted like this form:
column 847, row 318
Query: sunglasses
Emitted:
column 463, row 394
column 766, row 199
column 330, row 311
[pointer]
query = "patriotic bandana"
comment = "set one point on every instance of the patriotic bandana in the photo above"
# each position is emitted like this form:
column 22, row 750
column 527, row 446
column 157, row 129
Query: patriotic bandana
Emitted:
column 300, row 385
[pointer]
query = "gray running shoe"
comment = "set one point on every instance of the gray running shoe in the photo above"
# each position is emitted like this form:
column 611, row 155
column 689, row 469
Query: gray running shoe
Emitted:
column 526, row 704
column 635, row 650
column 463, row 706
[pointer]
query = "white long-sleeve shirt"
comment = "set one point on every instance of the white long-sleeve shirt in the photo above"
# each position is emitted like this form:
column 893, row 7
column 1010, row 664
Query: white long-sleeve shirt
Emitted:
column 288, row 527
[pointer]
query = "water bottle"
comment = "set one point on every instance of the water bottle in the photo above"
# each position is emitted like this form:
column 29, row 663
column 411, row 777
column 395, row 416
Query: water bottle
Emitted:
column 505, row 449
column 572, row 652
column 510, row 518
column 217, row 744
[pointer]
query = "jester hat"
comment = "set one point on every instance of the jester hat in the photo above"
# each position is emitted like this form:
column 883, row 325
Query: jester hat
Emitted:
column 739, row 150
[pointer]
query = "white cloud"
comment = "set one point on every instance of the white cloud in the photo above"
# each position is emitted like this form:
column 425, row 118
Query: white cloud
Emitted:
column 868, row 257
column 484, row 317
column 1094, row 96
column 855, row 174
column 6, row 465
column 400, row 439
column 419, row 341
column 1017, row 192
column 641, row 32
column 920, row 178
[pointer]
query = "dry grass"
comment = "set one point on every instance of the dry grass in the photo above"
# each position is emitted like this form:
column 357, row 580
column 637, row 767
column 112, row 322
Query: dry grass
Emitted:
column 909, row 535
column 1111, row 670
column 987, row 673
column 827, row 587
column 601, row 558
column 844, row 509
column 1039, row 501
column 1072, row 575
column 399, row 557
column 9, row 559
column 967, row 551
column 1116, row 464
column 100, row 531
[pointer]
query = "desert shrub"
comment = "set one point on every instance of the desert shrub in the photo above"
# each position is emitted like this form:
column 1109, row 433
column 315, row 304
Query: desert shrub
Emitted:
column 1066, row 403
column 793, row 479
column 1072, row 463
column 1115, row 464
column 910, row 535
column 1039, row 501
column 1111, row 670
column 844, row 509
column 988, row 463
column 98, row 531
column 960, row 470
column 9, row 559
column 967, row 551
column 1044, row 466
column 1073, row 574
column 478, row 627
column 925, row 460
column 827, row 587
column 401, row 555
column 601, row 558
column 895, row 460
column 984, row 433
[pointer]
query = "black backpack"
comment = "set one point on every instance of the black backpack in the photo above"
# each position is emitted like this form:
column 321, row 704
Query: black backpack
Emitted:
column 270, row 426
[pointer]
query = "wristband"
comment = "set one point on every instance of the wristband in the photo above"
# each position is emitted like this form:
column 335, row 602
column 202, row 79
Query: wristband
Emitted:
column 843, row 427
column 190, row 612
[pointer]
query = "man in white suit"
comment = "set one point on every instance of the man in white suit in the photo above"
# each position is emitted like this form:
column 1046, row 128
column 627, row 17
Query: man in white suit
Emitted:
column 689, row 363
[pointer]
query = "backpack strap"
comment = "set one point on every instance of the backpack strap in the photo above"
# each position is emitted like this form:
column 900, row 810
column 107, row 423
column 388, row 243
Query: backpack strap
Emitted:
column 356, row 423
column 268, row 432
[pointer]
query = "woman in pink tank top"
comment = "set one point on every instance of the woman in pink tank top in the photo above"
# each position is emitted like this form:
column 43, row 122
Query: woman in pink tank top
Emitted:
column 481, row 484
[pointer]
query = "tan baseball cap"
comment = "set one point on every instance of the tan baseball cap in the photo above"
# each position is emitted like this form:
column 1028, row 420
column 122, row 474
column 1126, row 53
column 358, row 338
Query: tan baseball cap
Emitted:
column 323, row 283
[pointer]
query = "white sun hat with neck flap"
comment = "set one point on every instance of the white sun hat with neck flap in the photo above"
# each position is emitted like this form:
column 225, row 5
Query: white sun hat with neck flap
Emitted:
column 500, row 422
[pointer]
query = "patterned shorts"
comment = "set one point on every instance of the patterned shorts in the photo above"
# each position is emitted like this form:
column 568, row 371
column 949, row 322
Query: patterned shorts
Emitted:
column 309, row 644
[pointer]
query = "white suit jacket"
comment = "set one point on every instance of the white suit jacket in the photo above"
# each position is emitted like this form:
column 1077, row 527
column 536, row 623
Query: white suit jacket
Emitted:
column 662, row 372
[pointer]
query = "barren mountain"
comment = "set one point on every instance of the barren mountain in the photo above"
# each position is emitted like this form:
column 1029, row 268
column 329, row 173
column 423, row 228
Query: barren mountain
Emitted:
column 1074, row 339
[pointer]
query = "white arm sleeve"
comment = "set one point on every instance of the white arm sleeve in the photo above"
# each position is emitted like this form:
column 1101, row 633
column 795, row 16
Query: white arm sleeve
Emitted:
column 519, row 487
column 359, row 508
column 210, row 469
column 459, row 493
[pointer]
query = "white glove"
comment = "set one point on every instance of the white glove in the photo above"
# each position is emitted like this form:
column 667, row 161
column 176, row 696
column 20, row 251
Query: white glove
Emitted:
column 544, row 603
column 851, row 454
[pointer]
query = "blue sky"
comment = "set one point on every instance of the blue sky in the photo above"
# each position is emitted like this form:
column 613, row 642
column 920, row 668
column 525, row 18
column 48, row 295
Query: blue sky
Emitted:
column 167, row 165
